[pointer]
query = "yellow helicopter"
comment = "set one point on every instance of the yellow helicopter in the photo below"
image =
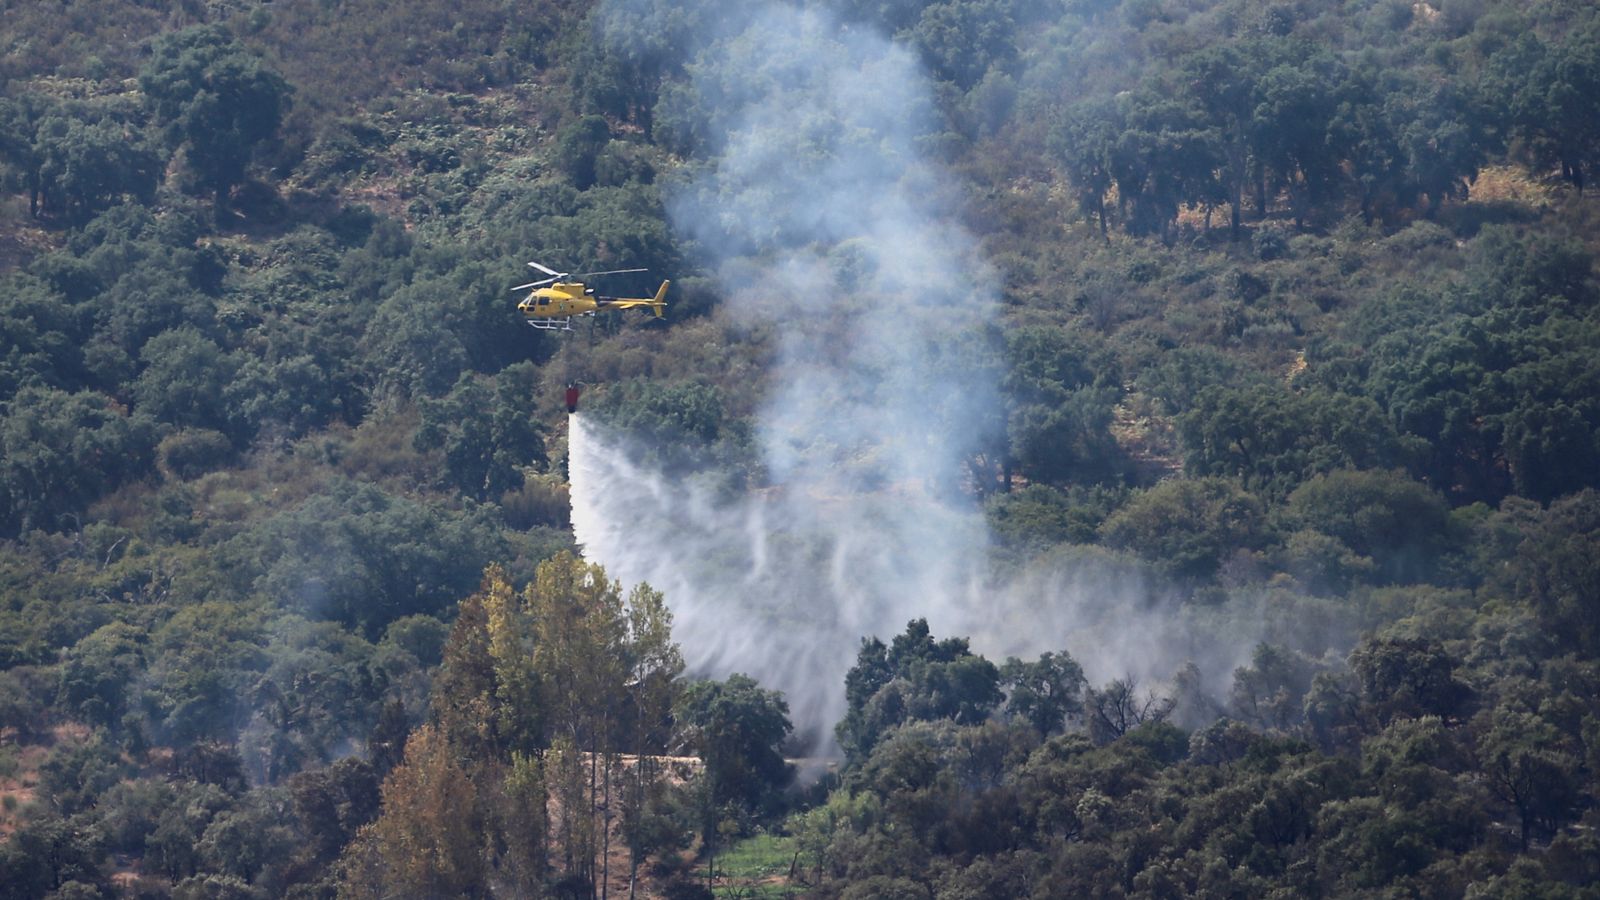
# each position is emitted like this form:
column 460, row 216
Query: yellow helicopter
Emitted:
column 554, row 301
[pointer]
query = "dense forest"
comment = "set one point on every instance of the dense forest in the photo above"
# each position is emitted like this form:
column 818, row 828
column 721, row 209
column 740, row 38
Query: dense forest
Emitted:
column 1275, row 309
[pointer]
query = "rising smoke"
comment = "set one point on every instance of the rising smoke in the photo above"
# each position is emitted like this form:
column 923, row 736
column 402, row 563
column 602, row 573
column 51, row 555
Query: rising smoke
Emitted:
column 826, row 224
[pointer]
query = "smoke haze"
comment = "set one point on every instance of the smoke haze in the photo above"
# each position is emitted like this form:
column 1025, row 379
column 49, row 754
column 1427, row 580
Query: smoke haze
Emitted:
column 825, row 224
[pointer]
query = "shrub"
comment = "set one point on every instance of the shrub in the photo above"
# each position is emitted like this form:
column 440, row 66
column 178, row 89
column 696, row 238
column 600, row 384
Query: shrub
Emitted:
column 192, row 452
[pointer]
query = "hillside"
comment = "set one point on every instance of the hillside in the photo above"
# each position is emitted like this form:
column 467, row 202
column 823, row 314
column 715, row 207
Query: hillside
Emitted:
column 1153, row 445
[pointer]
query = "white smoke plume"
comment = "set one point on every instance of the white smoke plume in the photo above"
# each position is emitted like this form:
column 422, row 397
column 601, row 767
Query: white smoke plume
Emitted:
column 827, row 226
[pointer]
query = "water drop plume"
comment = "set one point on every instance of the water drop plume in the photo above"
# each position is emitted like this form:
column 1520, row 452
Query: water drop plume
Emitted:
column 782, row 583
column 828, row 226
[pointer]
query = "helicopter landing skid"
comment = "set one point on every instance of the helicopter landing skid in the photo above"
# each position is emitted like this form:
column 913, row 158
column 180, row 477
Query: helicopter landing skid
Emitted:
column 552, row 324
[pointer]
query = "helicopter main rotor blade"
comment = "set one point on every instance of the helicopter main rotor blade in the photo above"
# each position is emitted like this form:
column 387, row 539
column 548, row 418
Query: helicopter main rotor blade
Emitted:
column 545, row 269
column 534, row 284
column 609, row 272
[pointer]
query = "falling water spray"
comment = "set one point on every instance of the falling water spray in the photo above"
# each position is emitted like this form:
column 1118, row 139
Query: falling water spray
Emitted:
column 827, row 226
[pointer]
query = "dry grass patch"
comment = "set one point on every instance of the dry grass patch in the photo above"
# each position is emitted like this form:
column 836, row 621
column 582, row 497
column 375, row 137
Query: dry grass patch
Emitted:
column 1510, row 184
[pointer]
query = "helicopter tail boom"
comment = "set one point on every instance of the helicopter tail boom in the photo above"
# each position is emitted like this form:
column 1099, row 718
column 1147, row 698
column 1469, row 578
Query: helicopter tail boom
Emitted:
column 657, row 304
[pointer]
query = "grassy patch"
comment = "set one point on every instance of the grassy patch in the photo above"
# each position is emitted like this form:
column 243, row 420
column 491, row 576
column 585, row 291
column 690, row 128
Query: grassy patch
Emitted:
column 755, row 867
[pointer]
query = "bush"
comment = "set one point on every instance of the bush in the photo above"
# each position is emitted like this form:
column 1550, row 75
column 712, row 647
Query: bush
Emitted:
column 1270, row 242
column 1187, row 526
column 540, row 501
column 1400, row 524
column 188, row 454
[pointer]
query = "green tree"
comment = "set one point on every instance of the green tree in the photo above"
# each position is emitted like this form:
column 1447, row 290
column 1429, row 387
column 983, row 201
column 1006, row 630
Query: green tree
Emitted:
column 216, row 100
column 23, row 700
column 1221, row 82
column 520, row 814
column 18, row 121
column 1272, row 439
column 48, row 853
column 634, row 55
column 736, row 727
column 464, row 702
column 1531, row 767
column 358, row 555
column 202, row 663
column 1398, row 523
column 578, row 636
column 1061, row 391
column 1409, row 677
column 1294, row 107
column 577, row 145
column 408, row 354
column 1270, row 692
column 1550, row 449
column 1167, row 157
column 1441, row 137
column 1555, row 567
column 1361, row 125
column 654, row 665
column 1046, row 693
column 1033, row 518
column 86, row 166
column 316, row 696
column 1492, row 377
column 683, row 424
column 1187, row 526
column 332, row 803
column 99, row 670
column 185, row 375
column 486, row 434
column 44, row 333
column 74, row 775
column 246, row 841
column 914, row 678
column 61, row 451
column 544, row 690
column 172, row 848
column 1085, row 139
column 960, row 40
column 1547, row 93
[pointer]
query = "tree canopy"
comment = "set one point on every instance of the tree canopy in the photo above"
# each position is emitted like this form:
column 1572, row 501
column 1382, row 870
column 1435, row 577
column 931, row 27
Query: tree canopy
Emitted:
column 1278, row 441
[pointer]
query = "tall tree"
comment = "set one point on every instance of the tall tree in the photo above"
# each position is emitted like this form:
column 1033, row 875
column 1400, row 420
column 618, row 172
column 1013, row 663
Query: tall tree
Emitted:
column 1221, row 82
column 736, row 728
column 580, row 642
column 654, row 664
column 429, row 840
column 1084, row 140
column 1294, row 107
